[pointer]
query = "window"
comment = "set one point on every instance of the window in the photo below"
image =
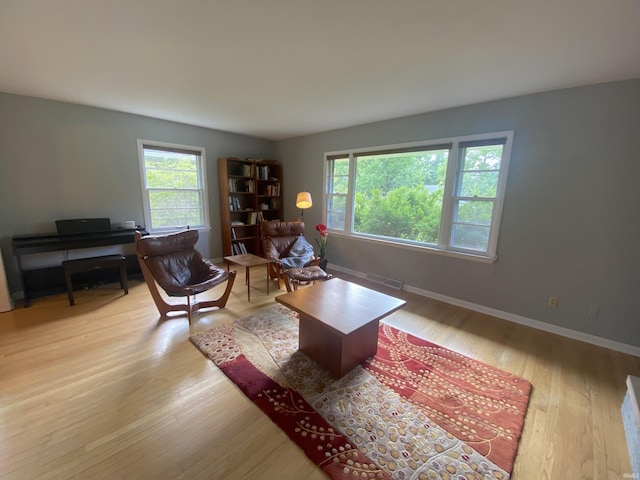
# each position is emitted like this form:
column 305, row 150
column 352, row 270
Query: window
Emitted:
column 173, row 184
column 444, row 195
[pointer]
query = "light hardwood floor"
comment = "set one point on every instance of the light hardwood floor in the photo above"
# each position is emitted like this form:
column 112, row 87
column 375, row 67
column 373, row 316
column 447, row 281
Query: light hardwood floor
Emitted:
column 107, row 389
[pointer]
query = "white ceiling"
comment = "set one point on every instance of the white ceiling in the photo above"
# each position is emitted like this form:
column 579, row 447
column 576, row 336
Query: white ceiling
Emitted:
column 283, row 68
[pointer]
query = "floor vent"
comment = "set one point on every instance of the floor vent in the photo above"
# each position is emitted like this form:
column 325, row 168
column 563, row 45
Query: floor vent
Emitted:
column 389, row 282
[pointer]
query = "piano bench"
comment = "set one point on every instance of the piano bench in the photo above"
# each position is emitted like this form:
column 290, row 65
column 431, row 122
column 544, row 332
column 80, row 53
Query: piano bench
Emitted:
column 94, row 263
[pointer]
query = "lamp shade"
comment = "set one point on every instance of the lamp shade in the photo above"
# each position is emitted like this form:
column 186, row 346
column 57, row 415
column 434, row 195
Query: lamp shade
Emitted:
column 303, row 200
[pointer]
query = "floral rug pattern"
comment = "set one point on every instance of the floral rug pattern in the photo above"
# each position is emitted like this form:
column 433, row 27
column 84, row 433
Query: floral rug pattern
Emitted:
column 396, row 417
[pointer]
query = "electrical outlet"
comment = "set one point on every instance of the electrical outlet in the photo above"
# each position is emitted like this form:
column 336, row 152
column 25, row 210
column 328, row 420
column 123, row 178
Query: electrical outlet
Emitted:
column 593, row 311
column 553, row 302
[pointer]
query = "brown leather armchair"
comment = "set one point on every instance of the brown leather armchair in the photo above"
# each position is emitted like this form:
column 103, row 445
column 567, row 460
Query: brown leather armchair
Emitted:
column 172, row 262
column 284, row 244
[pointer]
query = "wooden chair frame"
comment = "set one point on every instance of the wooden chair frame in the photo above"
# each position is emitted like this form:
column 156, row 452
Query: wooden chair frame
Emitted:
column 190, row 307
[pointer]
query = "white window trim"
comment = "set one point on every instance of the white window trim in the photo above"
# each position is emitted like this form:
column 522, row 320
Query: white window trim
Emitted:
column 145, row 196
column 448, row 199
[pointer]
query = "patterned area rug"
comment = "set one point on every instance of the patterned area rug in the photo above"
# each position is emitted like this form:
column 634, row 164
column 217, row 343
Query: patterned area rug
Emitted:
column 414, row 411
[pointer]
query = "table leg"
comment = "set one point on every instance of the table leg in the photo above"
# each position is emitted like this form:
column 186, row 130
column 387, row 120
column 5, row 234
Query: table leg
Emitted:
column 248, row 282
column 336, row 352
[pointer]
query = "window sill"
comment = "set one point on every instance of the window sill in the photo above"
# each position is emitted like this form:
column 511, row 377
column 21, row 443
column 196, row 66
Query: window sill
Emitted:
column 419, row 248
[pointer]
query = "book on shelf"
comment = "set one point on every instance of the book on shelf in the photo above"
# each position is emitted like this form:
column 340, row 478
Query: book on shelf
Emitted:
column 263, row 172
column 240, row 185
column 237, row 223
column 272, row 190
column 238, row 248
column 249, row 170
column 252, row 218
column 233, row 233
column 234, row 203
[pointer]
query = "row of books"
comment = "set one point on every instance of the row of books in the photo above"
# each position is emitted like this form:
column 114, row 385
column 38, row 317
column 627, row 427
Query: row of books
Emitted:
column 252, row 219
column 234, row 204
column 238, row 248
column 272, row 190
column 249, row 170
column 263, row 172
column 255, row 217
column 272, row 204
column 241, row 185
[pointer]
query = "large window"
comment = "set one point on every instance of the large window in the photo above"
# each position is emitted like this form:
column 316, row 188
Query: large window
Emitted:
column 444, row 195
column 174, row 187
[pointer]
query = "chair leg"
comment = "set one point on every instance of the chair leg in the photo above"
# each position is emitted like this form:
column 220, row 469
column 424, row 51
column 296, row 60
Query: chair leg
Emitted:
column 222, row 300
column 288, row 282
column 162, row 306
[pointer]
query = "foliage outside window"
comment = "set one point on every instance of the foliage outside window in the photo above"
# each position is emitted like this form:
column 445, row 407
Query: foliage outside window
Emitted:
column 445, row 195
column 173, row 183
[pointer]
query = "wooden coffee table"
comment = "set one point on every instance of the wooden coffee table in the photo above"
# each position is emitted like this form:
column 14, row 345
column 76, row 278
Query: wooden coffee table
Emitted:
column 339, row 322
column 248, row 260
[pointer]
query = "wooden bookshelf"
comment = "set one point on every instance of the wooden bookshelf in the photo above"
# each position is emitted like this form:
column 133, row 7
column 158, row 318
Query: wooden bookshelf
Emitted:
column 250, row 190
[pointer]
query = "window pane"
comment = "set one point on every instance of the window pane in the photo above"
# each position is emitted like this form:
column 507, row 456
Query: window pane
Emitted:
column 337, row 203
column 336, row 220
column 400, row 195
column 336, row 208
column 479, row 184
column 483, row 158
column 176, row 217
column 340, row 185
column 337, row 190
column 174, row 199
column 170, row 169
column 341, row 166
column 171, row 179
column 473, row 237
column 175, row 208
column 479, row 212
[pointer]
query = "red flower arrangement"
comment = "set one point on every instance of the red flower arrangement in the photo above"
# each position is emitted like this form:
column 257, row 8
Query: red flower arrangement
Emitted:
column 322, row 241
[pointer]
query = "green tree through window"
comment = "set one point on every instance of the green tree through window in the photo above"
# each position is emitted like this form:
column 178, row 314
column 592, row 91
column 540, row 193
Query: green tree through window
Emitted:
column 400, row 195
column 174, row 187
column 445, row 194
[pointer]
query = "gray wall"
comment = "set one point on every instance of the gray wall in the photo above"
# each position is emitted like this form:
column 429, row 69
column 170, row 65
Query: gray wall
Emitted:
column 569, row 227
column 60, row 160
column 570, row 222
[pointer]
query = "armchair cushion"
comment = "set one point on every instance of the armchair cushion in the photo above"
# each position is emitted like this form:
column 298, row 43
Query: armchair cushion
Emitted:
column 177, row 266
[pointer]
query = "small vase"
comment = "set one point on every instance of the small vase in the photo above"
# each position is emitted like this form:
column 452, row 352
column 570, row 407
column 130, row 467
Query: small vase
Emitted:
column 323, row 264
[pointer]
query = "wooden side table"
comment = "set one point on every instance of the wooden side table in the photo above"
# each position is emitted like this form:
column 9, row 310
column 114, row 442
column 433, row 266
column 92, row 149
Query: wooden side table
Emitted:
column 248, row 260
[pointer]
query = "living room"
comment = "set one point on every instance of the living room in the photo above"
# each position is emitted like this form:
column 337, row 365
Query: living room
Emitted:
column 567, row 227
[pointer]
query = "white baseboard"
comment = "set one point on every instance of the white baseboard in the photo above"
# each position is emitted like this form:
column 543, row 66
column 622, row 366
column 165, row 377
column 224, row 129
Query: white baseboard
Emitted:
column 512, row 317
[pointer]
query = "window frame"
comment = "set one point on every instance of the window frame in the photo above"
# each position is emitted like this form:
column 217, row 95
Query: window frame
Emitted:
column 455, row 164
column 202, row 188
